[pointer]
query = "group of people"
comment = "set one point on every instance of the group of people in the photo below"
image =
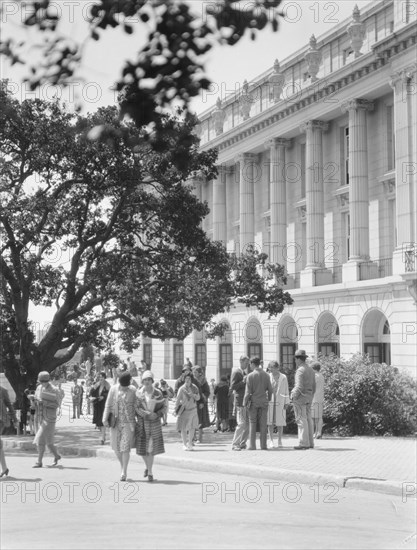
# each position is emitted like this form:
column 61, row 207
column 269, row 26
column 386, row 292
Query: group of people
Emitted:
column 262, row 399
column 135, row 415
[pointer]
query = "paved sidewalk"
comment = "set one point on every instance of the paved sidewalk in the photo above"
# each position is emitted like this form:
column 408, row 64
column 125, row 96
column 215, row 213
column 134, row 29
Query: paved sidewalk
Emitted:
column 379, row 464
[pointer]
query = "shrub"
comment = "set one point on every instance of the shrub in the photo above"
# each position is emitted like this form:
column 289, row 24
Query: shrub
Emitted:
column 367, row 399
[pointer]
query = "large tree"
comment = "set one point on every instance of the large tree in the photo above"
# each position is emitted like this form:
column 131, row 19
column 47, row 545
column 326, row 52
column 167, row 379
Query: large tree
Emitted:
column 108, row 234
column 168, row 66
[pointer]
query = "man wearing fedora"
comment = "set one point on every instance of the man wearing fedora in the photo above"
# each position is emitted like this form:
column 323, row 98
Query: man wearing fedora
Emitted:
column 302, row 397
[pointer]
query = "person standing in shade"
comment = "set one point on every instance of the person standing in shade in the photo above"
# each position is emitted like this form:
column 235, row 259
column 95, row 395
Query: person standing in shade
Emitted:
column 238, row 385
column 150, row 409
column 167, row 393
column 48, row 401
column 318, row 401
column 202, row 407
column 121, row 406
column 6, row 411
column 221, row 393
column 258, row 394
column 302, row 397
column 76, row 399
column 277, row 410
column 98, row 396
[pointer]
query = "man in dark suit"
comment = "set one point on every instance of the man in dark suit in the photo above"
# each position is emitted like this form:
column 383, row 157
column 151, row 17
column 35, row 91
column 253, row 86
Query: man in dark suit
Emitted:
column 258, row 393
column 302, row 397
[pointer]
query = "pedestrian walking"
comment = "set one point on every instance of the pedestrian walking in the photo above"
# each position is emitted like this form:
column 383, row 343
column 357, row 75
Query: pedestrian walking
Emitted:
column 302, row 397
column 238, row 385
column 167, row 393
column 318, row 402
column 186, row 410
column 7, row 417
column 221, row 392
column 277, row 409
column 76, row 399
column 150, row 409
column 258, row 393
column 47, row 401
column 119, row 414
column 212, row 398
column 98, row 397
column 202, row 407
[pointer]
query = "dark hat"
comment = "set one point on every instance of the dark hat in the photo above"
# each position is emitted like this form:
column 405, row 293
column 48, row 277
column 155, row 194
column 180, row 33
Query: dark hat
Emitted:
column 300, row 353
column 125, row 379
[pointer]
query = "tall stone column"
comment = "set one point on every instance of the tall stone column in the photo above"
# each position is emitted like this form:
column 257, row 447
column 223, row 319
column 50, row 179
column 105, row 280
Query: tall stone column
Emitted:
column 314, row 192
column 246, row 200
column 403, row 84
column 219, row 205
column 358, row 178
column 278, row 198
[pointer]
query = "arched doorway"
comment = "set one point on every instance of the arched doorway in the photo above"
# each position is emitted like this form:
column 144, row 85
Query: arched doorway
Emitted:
column 225, row 343
column 327, row 336
column 200, row 350
column 288, row 341
column 253, row 338
column 147, row 351
column 178, row 357
column 376, row 337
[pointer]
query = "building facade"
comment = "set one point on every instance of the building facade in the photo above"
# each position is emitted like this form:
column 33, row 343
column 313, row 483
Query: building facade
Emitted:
column 318, row 168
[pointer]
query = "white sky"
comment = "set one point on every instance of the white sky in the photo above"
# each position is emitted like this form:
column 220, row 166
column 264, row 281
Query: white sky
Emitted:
column 226, row 66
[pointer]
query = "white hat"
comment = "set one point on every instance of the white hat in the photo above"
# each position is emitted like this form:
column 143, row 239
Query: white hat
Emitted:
column 147, row 374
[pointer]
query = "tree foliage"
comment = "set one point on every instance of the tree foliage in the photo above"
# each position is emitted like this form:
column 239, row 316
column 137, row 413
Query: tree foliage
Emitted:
column 169, row 65
column 108, row 234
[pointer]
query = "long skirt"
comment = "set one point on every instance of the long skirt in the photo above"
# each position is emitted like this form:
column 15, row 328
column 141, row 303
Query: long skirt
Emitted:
column 149, row 439
column 45, row 434
column 203, row 416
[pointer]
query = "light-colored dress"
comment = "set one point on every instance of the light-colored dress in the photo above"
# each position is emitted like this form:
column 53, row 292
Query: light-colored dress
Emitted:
column 121, row 403
column 277, row 415
column 188, row 419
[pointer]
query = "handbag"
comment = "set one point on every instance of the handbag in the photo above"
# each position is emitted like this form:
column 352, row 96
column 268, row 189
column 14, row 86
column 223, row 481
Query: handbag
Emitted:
column 112, row 420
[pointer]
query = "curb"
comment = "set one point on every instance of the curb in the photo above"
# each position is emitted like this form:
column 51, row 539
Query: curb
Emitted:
column 390, row 487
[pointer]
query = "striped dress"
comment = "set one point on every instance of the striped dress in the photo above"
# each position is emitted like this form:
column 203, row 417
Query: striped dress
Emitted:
column 149, row 439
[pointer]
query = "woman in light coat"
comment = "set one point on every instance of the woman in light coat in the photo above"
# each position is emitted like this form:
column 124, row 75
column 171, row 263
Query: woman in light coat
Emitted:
column 120, row 405
column 186, row 408
column 277, row 408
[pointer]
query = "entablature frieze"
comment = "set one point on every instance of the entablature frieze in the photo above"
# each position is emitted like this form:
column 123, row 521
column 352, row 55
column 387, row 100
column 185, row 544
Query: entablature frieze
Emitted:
column 322, row 90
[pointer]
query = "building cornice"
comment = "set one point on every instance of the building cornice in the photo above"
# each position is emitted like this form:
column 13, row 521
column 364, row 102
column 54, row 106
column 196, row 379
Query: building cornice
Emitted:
column 381, row 55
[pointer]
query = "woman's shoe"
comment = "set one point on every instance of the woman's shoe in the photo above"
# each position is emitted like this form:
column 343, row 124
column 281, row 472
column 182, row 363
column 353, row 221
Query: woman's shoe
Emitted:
column 56, row 460
column 37, row 465
column 145, row 473
column 122, row 477
column 5, row 473
column 150, row 477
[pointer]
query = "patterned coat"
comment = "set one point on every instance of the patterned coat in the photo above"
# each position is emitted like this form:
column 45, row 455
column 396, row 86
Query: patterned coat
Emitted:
column 149, row 439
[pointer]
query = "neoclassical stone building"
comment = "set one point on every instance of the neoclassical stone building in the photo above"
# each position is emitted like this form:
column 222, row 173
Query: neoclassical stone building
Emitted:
column 318, row 168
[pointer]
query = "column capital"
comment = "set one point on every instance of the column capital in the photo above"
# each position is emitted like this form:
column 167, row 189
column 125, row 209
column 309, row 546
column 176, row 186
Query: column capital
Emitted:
column 224, row 169
column 356, row 104
column 403, row 76
column 197, row 177
column 314, row 125
column 245, row 157
column 277, row 142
